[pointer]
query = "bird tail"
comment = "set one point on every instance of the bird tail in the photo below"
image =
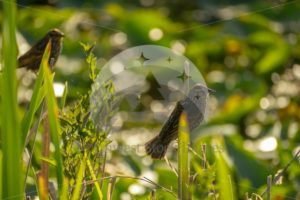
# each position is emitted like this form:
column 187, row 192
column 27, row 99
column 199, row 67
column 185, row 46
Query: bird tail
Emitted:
column 156, row 148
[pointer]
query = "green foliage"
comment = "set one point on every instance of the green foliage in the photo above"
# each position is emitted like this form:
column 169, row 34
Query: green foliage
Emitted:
column 256, row 172
column 79, row 135
column 203, row 172
column 11, row 146
column 90, row 59
column 249, row 52
column 82, row 141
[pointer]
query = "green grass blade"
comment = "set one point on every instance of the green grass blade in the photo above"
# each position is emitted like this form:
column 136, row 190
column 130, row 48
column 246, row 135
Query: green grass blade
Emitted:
column 225, row 186
column 35, row 102
column 53, row 117
column 12, row 178
column 64, row 193
column 1, row 183
column 110, row 188
column 94, row 178
column 64, row 97
column 183, row 159
column 79, row 178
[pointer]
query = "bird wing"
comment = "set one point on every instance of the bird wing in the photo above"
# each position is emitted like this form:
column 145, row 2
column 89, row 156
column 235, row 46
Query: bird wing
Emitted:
column 32, row 58
column 169, row 131
column 195, row 115
column 28, row 60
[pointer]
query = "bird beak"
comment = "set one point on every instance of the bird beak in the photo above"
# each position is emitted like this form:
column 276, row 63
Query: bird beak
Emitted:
column 211, row 91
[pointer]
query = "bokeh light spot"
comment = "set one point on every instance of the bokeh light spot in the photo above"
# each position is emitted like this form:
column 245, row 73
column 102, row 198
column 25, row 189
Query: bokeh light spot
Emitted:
column 59, row 89
column 268, row 144
column 118, row 39
column 264, row 103
column 156, row 34
column 136, row 189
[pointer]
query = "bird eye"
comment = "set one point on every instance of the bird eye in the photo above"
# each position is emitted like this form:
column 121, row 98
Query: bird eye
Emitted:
column 199, row 94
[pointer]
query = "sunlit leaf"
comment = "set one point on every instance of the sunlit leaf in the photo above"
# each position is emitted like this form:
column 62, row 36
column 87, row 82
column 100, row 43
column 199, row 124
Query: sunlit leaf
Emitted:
column 53, row 116
column 183, row 158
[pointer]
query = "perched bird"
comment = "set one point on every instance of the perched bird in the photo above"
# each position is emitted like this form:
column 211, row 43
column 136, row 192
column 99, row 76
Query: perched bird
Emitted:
column 194, row 105
column 32, row 58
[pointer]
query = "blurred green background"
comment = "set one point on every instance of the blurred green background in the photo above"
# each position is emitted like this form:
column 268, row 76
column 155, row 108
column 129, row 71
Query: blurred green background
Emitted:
column 248, row 51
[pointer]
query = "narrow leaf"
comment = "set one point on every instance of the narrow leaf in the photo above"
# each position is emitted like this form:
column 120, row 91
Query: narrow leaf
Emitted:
column 64, row 97
column 12, row 176
column 183, row 159
column 79, row 179
column 110, row 188
column 94, row 178
column 65, row 192
column 53, row 117
column 223, row 174
column 35, row 102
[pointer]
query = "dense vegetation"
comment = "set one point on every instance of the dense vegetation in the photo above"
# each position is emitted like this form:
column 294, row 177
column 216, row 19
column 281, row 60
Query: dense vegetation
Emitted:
column 248, row 52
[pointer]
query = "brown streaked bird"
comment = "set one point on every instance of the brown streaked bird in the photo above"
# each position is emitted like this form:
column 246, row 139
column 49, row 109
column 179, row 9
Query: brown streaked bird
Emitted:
column 194, row 105
column 32, row 58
